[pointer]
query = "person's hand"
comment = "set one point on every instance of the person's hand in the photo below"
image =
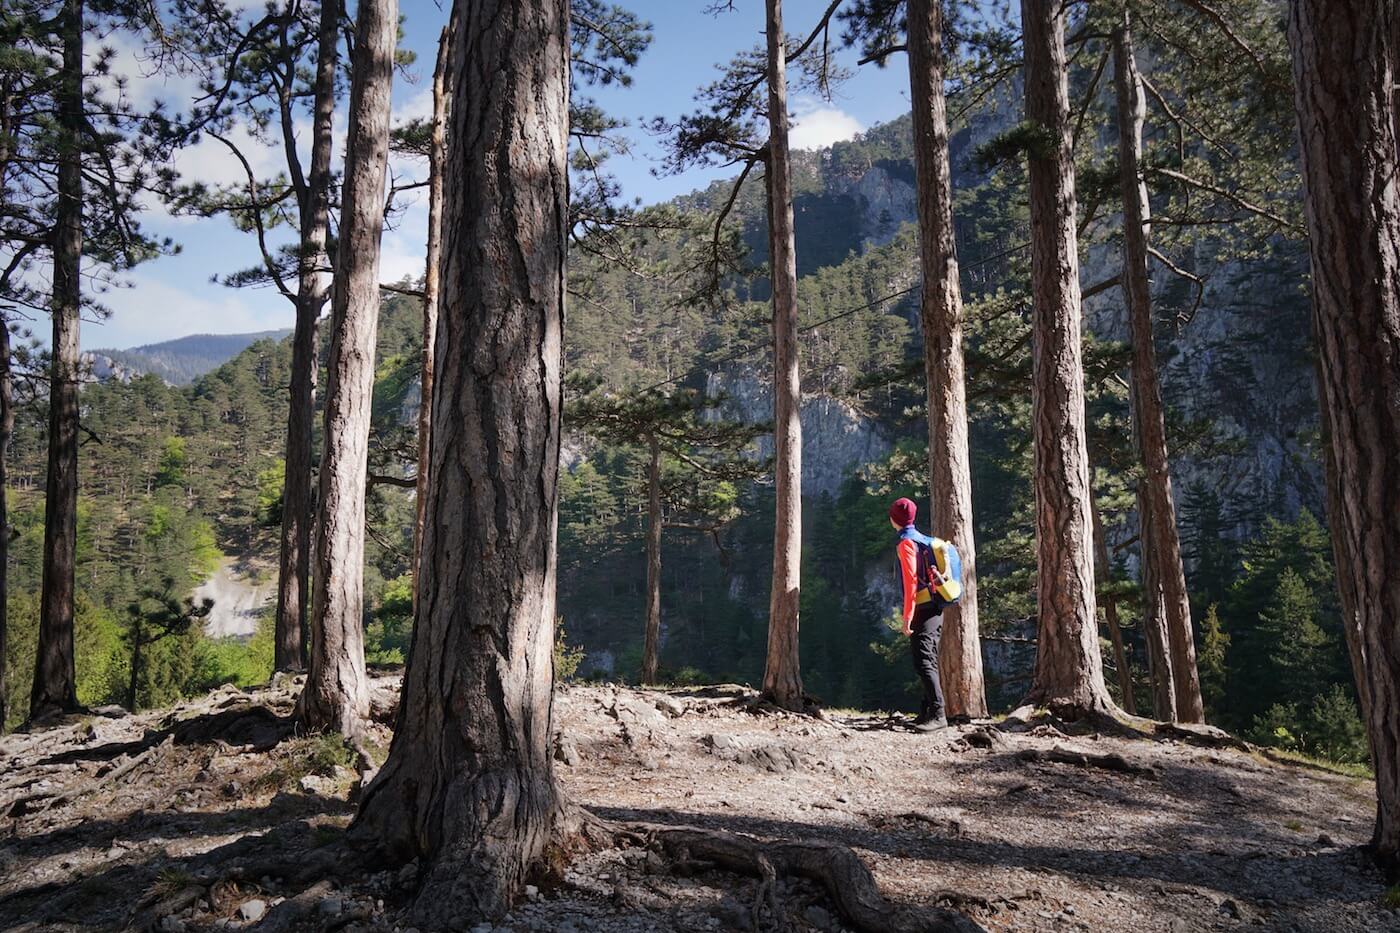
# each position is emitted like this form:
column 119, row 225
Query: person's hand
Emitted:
column 908, row 626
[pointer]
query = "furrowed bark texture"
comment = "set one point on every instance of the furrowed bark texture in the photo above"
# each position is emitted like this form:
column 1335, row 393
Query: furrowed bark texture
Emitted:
column 1149, row 420
column 294, row 564
column 336, row 696
column 437, row 156
column 950, row 475
column 1343, row 73
column 1110, row 613
column 1068, row 668
column 653, row 633
column 7, row 431
column 55, row 680
column 1154, row 619
column 782, row 674
column 469, row 784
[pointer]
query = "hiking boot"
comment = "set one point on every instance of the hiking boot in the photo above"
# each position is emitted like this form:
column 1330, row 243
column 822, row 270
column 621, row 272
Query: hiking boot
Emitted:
column 932, row 724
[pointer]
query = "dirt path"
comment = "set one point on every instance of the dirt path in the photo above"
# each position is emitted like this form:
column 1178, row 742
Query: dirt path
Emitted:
column 160, row 831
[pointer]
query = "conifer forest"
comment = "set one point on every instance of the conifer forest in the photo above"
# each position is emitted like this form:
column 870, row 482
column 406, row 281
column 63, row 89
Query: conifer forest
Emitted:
column 485, row 522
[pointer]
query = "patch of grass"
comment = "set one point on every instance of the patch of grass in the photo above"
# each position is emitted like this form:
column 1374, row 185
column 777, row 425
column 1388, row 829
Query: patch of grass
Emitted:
column 1355, row 770
column 1294, row 825
column 171, row 881
column 320, row 755
column 1391, row 898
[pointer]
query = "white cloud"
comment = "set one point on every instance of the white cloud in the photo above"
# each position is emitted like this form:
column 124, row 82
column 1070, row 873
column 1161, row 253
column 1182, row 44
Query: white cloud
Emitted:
column 816, row 127
column 153, row 310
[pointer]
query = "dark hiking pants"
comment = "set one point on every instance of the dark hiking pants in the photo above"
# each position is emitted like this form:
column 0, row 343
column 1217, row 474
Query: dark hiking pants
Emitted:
column 923, row 645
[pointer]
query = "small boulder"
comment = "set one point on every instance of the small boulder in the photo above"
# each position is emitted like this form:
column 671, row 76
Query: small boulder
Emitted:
column 818, row 917
column 670, row 706
column 566, row 751
column 252, row 911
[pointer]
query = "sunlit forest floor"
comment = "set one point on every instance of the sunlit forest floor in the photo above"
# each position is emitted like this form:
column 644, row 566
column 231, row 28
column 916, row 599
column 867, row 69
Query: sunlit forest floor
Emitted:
column 210, row 816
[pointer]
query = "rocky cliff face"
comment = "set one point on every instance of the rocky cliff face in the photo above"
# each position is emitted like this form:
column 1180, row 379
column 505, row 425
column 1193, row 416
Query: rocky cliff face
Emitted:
column 836, row 438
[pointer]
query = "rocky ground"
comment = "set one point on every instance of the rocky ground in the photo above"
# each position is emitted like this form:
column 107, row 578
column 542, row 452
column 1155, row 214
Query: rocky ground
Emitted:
column 214, row 817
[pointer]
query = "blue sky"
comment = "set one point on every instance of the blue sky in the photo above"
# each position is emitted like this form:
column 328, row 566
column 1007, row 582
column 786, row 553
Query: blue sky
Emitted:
column 173, row 296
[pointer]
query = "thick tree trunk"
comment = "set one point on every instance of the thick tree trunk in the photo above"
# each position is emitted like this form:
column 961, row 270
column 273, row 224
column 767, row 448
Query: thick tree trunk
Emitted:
column 7, row 431
column 55, row 679
column 1154, row 620
column 950, row 473
column 293, row 583
column 1068, row 667
column 336, row 696
column 782, row 673
column 1344, row 77
column 1110, row 613
column 437, row 157
column 653, row 634
column 469, row 785
column 1149, row 420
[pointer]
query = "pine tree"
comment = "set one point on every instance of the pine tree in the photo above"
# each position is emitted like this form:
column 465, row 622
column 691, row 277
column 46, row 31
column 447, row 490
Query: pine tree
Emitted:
column 488, row 600
column 336, row 695
column 693, row 463
column 1344, row 73
column 1068, row 667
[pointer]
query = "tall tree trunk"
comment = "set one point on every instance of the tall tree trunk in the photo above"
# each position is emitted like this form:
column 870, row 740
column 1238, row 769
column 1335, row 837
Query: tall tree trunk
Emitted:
column 1068, row 668
column 134, row 675
column 293, row 584
column 1102, row 573
column 55, row 680
column 7, row 431
column 950, row 473
column 437, row 157
column 337, row 693
column 1154, row 619
column 782, row 672
column 653, row 634
column 1149, row 420
column 469, row 784
column 1344, row 77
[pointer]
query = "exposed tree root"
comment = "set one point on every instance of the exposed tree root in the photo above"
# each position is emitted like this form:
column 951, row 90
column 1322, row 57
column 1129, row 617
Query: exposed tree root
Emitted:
column 837, row 868
column 1068, row 756
column 43, row 801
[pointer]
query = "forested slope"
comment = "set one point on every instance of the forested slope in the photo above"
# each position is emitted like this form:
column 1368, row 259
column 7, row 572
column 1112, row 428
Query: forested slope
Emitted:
column 173, row 478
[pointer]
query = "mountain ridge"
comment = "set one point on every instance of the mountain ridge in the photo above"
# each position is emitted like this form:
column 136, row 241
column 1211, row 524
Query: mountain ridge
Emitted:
column 179, row 361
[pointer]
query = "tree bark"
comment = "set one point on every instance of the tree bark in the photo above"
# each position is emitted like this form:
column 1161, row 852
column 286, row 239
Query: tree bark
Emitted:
column 134, row 675
column 336, row 696
column 1344, row 77
column 7, row 432
column 1149, row 419
column 782, row 673
column 1154, row 620
column 1110, row 613
column 469, row 784
column 653, row 634
column 293, row 584
column 55, row 680
column 1068, row 668
column 437, row 156
column 950, row 473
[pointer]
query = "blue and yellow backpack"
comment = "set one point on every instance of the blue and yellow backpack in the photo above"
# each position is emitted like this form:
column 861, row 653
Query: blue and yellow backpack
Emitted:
column 935, row 552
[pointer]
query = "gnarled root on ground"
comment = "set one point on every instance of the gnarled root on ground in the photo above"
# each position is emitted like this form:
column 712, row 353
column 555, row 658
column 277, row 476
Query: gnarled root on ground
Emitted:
column 1069, row 756
column 837, row 868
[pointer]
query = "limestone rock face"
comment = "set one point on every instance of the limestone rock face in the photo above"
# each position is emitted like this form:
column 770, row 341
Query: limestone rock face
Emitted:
column 836, row 438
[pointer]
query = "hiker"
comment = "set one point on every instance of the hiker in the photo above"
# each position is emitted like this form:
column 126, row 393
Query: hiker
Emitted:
column 930, row 569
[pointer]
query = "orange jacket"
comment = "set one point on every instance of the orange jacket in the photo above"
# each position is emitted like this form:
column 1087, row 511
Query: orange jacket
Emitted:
column 909, row 570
